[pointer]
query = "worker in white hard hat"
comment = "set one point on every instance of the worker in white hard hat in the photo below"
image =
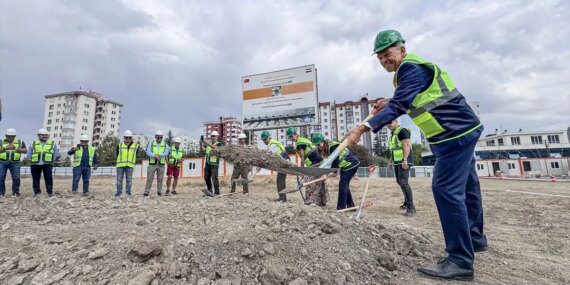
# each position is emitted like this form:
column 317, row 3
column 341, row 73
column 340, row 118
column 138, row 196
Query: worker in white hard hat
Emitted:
column 42, row 154
column 239, row 170
column 127, row 152
column 11, row 150
column 174, row 162
column 157, row 152
column 212, row 162
column 84, row 158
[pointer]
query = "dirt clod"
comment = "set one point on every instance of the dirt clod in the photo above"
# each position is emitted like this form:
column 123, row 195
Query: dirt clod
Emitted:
column 247, row 156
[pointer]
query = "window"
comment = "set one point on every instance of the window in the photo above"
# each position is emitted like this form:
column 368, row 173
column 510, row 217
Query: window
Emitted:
column 511, row 165
column 113, row 119
column 58, row 105
column 554, row 164
column 58, row 112
column 326, row 127
column 49, row 122
column 500, row 141
column 491, row 143
column 553, row 139
column 192, row 165
column 56, row 127
column 342, row 127
column 50, row 114
column 341, row 121
column 84, row 128
column 86, row 113
column 112, row 126
column 340, row 115
column 536, row 139
column 357, row 120
column 325, row 114
column 85, row 120
column 515, row 140
column 51, row 107
column 480, row 166
column 48, row 129
column 326, row 133
column 357, row 113
column 325, row 120
column 86, row 105
column 55, row 135
column 57, row 120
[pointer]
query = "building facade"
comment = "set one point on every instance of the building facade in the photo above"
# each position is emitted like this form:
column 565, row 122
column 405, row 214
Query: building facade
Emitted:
column 69, row 115
column 228, row 128
column 520, row 153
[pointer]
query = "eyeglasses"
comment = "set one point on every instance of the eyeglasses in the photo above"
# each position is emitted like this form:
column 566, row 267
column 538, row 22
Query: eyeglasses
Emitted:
column 128, row 138
column 158, row 137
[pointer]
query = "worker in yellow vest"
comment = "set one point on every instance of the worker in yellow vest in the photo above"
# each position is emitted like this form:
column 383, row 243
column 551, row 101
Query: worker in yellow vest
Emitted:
column 402, row 158
column 84, row 158
column 277, row 148
column 157, row 151
column 212, row 163
column 174, row 162
column 426, row 92
column 42, row 154
column 11, row 150
column 126, row 160
column 240, row 170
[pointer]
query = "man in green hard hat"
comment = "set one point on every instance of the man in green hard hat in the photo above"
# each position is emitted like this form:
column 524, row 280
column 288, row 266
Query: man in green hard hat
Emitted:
column 304, row 147
column 429, row 96
column 277, row 148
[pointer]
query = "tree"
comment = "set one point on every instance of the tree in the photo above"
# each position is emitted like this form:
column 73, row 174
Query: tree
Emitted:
column 107, row 152
column 377, row 147
column 141, row 154
column 417, row 149
column 169, row 137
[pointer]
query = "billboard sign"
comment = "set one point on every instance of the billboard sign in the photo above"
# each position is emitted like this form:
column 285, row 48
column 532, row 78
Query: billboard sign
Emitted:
column 280, row 99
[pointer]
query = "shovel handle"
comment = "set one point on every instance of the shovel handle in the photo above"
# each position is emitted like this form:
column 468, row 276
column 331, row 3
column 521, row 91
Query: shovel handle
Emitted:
column 344, row 144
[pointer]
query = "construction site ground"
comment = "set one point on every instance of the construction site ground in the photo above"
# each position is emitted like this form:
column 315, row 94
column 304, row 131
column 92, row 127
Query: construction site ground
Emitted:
column 250, row 239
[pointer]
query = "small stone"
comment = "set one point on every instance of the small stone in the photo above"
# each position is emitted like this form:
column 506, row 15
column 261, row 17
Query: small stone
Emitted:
column 299, row 281
column 86, row 269
column 141, row 223
column 345, row 265
column 49, row 276
column 98, row 253
column 276, row 228
column 27, row 265
column 143, row 278
column 143, row 251
column 16, row 280
column 269, row 248
column 246, row 252
column 5, row 226
column 204, row 281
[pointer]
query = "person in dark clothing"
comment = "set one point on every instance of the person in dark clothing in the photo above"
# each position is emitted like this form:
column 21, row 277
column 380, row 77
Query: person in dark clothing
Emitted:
column 42, row 154
column 84, row 157
column 401, row 158
column 212, row 162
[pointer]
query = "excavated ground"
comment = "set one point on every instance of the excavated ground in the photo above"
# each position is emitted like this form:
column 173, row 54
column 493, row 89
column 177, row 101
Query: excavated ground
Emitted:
column 249, row 239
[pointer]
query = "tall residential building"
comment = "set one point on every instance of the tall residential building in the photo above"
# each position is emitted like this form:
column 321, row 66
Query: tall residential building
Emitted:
column 227, row 127
column 141, row 139
column 190, row 145
column 69, row 115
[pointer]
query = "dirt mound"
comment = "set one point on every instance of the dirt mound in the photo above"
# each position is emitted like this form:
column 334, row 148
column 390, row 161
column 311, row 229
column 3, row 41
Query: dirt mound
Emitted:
column 364, row 155
column 231, row 240
column 249, row 155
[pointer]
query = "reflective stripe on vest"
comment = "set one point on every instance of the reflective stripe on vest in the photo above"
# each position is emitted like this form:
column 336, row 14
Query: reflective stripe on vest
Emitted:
column 127, row 156
column 176, row 156
column 42, row 152
column 281, row 152
column 158, row 150
column 10, row 155
column 79, row 154
column 212, row 159
column 396, row 146
column 441, row 90
column 343, row 164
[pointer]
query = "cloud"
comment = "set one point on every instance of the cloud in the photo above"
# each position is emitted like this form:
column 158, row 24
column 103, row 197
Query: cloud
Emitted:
column 179, row 63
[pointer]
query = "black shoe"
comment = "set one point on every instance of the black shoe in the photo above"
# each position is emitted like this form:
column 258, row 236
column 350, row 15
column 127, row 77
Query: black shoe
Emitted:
column 167, row 193
column 208, row 193
column 159, row 194
column 36, row 195
column 50, row 195
column 410, row 212
column 481, row 249
column 404, row 206
column 74, row 192
column 86, row 194
column 17, row 195
column 446, row 269
column 174, row 192
column 145, row 194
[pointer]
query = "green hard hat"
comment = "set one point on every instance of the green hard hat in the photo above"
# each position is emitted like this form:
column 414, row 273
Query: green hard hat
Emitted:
column 317, row 138
column 265, row 135
column 291, row 131
column 385, row 39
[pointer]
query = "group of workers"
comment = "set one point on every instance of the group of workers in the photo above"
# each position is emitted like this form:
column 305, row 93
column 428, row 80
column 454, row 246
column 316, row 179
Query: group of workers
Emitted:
column 423, row 91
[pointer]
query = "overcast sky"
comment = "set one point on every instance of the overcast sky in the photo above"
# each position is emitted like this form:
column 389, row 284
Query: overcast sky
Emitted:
column 176, row 64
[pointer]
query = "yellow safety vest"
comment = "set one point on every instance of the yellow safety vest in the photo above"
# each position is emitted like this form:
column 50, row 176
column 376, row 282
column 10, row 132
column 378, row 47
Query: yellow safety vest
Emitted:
column 127, row 156
column 396, row 146
column 77, row 155
column 310, row 147
column 42, row 152
column 10, row 155
column 158, row 149
column 176, row 156
column 210, row 158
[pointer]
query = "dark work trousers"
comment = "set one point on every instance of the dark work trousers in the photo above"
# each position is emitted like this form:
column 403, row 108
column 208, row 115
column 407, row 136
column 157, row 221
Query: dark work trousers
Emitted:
column 402, row 176
column 281, row 184
column 457, row 196
column 211, row 176
column 37, row 174
column 236, row 174
column 344, row 195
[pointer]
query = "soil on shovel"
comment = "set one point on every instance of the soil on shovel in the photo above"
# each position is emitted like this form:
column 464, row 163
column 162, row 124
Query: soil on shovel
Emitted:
column 247, row 156
column 364, row 155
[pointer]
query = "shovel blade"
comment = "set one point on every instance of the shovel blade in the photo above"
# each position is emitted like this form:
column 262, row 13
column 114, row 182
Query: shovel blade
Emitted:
column 208, row 193
column 287, row 191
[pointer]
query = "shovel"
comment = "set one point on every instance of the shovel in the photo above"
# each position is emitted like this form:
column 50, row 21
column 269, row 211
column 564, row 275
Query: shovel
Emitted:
column 301, row 185
column 359, row 214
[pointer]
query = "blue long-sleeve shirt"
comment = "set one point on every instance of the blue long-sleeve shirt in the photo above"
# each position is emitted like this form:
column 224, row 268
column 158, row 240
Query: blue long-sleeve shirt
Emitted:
column 455, row 116
column 150, row 154
column 41, row 162
column 85, row 157
column 413, row 79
